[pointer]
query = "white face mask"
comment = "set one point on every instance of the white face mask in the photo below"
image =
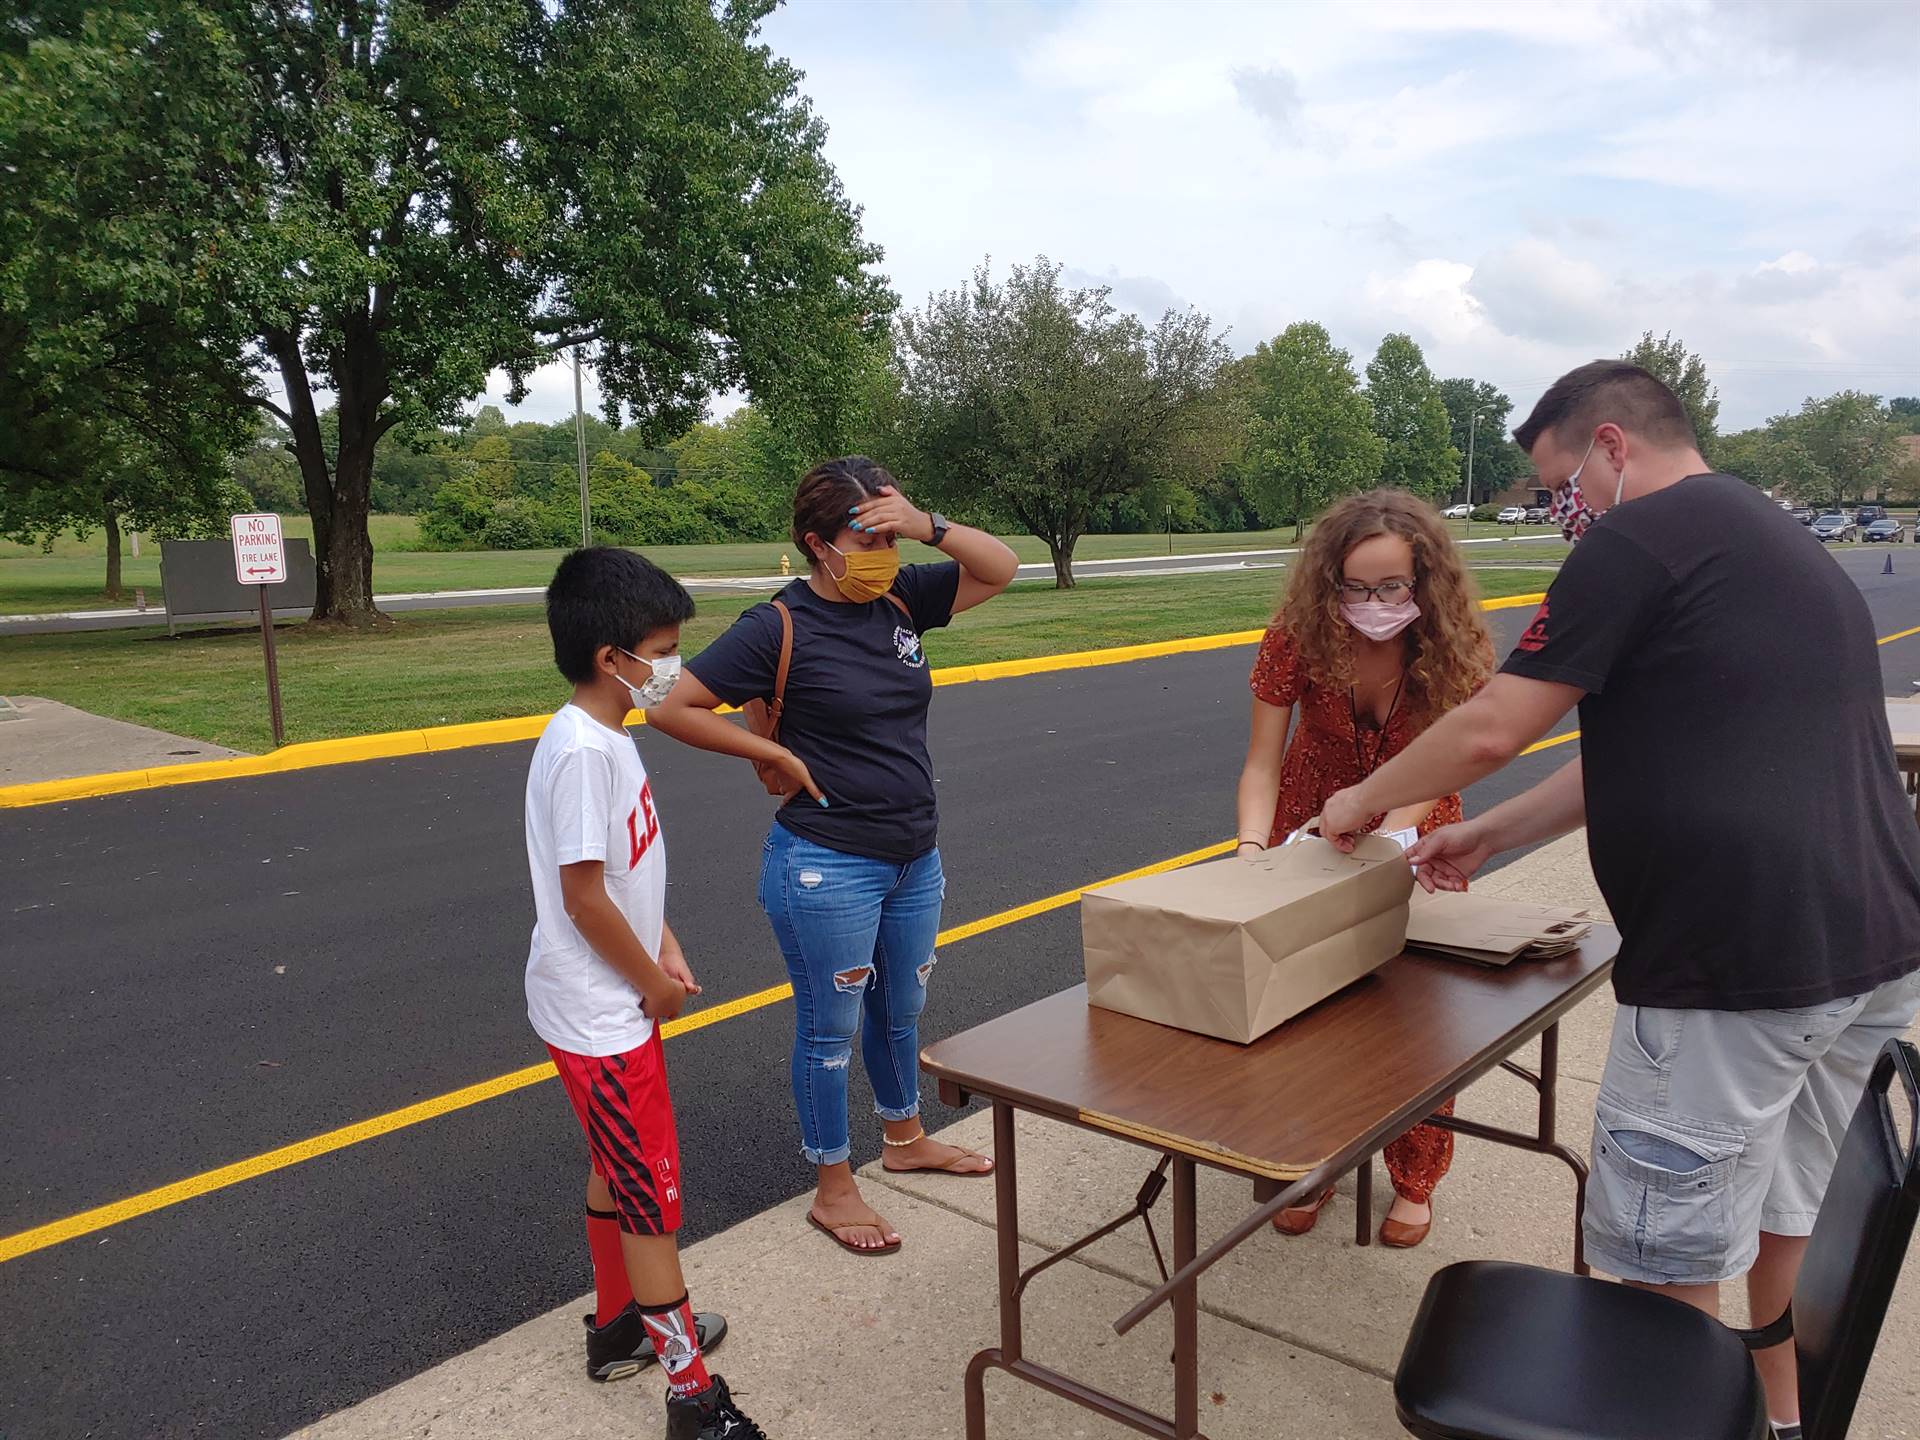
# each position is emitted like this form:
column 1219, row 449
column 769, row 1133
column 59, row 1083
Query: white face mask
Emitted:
column 665, row 670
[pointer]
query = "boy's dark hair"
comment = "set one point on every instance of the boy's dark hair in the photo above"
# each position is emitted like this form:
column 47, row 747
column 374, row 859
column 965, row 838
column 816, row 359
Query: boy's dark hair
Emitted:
column 829, row 491
column 1631, row 397
column 604, row 596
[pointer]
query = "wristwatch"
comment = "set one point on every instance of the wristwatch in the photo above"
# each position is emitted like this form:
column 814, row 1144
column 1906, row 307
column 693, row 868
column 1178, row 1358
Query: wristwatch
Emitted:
column 940, row 528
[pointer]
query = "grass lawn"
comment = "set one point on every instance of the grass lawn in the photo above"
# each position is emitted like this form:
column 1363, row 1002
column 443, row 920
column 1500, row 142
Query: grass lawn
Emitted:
column 437, row 667
column 71, row 577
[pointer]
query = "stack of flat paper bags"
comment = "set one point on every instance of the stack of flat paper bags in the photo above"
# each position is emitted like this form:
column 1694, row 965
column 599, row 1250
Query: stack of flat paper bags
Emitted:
column 1491, row 929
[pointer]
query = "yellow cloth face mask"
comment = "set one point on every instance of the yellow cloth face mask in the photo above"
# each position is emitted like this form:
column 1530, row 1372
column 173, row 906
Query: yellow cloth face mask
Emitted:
column 870, row 573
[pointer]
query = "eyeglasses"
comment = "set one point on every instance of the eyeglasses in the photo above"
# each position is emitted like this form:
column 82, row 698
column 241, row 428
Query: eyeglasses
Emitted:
column 1388, row 592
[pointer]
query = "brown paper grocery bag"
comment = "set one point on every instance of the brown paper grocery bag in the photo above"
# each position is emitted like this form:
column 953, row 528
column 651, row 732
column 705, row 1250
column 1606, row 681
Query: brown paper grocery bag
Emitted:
column 1493, row 930
column 1236, row 947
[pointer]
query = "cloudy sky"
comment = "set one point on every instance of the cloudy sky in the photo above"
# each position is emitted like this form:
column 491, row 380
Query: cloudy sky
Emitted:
column 1520, row 185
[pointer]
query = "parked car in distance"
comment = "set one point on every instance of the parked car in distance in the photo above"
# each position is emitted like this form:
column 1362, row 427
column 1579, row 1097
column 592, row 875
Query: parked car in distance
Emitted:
column 1867, row 514
column 1834, row 526
column 1512, row 515
column 1889, row 530
column 1538, row 515
column 1457, row 512
column 1802, row 514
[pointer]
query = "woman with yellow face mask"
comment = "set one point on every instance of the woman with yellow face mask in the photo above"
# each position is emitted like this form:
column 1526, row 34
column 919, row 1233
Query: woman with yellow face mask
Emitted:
column 850, row 877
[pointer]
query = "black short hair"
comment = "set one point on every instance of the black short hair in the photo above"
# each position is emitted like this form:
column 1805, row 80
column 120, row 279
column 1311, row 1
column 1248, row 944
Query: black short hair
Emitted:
column 1631, row 397
column 605, row 596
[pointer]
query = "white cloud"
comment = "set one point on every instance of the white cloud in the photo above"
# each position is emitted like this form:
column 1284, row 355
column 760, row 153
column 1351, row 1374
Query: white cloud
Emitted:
column 1433, row 297
column 1533, row 290
column 1770, row 335
column 1520, row 186
column 1273, row 93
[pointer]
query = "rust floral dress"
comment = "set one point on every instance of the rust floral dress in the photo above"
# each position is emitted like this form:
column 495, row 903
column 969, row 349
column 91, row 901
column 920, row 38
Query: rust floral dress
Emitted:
column 1327, row 752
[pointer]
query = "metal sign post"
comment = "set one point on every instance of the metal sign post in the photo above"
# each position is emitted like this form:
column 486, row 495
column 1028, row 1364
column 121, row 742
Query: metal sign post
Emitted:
column 260, row 560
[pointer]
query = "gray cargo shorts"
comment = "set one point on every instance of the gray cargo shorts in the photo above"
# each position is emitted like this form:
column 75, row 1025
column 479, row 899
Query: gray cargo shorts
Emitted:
column 1713, row 1125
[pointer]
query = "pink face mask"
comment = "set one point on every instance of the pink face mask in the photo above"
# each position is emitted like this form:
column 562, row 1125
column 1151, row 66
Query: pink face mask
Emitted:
column 1378, row 620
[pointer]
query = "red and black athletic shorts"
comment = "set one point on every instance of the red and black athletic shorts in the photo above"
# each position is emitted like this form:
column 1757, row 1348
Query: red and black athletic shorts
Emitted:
column 624, row 1107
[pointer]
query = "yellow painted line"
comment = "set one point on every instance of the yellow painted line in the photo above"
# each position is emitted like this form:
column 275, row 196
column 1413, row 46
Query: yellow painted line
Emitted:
column 1087, row 659
column 1898, row 635
column 1550, row 742
column 56, row 1232
column 503, row 732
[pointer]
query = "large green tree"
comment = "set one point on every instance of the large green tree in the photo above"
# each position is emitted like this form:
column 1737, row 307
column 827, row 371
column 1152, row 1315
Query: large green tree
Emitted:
column 1686, row 375
column 1310, row 438
column 1041, row 404
column 108, row 416
column 1495, row 460
column 1833, row 449
column 392, row 199
column 1411, row 420
column 1850, row 442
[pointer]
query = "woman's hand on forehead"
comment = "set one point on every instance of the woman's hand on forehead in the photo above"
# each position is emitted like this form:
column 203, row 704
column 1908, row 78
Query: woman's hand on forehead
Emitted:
column 889, row 514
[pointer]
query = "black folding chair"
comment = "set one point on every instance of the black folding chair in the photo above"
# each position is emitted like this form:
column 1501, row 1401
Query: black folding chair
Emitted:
column 1511, row 1352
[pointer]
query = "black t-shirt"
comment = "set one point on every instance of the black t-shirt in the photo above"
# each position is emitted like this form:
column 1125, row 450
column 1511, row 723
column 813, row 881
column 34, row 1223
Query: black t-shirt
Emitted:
column 1744, row 812
column 856, row 708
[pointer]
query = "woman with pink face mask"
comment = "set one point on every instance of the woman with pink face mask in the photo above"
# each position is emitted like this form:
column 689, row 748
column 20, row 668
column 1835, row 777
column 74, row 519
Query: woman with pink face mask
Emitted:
column 1379, row 636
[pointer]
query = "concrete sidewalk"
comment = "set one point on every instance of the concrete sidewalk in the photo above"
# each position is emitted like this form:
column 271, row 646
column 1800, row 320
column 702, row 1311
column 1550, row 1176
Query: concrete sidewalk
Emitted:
column 1299, row 1338
column 51, row 741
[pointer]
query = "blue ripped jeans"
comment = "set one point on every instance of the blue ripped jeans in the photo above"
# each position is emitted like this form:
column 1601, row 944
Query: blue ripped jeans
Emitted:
column 858, row 938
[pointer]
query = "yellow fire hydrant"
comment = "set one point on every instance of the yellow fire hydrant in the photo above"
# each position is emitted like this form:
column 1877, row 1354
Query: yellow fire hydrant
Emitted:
column 785, row 568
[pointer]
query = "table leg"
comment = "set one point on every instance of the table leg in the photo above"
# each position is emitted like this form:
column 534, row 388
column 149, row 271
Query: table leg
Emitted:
column 1363, row 1203
column 1006, row 1207
column 1549, row 1099
column 1543, row 1142
column 1549, row 1073
column 1186, row 1303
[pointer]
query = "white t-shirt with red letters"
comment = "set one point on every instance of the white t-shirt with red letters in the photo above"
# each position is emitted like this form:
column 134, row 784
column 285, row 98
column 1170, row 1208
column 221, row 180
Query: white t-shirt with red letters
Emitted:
column 588, row 798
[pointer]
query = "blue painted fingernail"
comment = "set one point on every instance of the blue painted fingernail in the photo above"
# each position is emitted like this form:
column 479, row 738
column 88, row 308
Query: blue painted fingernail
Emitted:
column 823, row 803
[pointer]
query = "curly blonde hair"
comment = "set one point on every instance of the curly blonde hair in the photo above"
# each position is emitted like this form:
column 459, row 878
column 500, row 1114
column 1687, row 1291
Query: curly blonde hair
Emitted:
column 1450, row 653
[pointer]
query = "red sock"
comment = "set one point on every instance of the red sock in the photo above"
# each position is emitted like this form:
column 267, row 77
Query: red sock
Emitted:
column 677, row 1342
column 611, row 1291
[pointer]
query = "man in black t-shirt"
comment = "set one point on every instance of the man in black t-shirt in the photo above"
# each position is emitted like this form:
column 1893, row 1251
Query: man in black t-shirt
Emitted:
column 1745, row 822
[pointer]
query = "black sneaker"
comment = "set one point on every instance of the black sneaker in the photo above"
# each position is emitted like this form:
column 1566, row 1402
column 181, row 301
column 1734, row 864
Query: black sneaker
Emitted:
column 622, row 1347
column 710, row 1415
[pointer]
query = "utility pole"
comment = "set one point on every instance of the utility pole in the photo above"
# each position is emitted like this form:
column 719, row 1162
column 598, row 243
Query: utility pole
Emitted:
column 580, row 450
column 1473, row 431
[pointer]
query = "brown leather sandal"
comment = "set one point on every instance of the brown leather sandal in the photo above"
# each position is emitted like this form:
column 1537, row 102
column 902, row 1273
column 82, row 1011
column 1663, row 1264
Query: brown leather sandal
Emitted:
column 890, row 1248
column 946, row 1169
column 1299, row 1219
column 1398, row 1235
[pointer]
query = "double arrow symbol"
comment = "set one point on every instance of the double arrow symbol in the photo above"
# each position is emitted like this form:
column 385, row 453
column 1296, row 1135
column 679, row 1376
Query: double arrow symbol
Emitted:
column 260, row 569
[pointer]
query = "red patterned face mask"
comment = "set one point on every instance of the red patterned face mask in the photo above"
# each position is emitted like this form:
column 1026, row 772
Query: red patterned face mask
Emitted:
column 1569, row 506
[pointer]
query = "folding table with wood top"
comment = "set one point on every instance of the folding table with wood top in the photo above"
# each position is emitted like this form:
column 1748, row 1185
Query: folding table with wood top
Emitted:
column 1295, row 1110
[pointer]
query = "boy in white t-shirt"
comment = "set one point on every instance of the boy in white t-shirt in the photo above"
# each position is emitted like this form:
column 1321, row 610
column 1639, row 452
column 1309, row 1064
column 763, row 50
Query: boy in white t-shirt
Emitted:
column 605, row 972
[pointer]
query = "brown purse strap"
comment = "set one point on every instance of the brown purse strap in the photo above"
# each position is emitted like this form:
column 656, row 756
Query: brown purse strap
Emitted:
column 778, row 702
